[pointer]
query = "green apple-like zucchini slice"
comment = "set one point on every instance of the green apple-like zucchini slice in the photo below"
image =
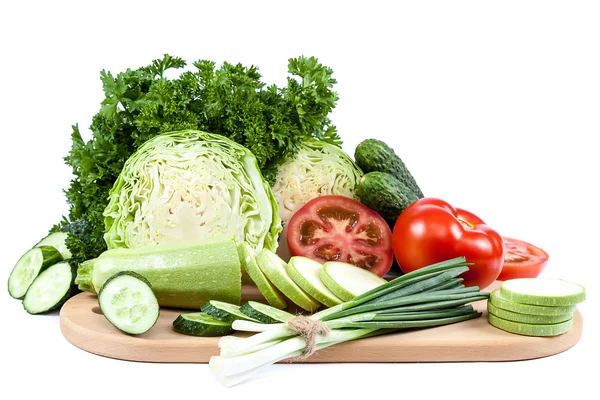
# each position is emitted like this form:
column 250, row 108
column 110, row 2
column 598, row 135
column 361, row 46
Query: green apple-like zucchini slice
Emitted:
column 305, row 272
column 500, row 301
column 542, row 292
column 274, row 269
column 521, row 328
column 347, row 281
column 527, row 318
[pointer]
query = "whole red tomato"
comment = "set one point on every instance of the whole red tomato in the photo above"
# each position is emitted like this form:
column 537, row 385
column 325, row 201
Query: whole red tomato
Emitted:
column 430, row 230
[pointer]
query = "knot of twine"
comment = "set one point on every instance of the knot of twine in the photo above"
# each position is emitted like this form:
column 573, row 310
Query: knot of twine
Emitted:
column 309, row 329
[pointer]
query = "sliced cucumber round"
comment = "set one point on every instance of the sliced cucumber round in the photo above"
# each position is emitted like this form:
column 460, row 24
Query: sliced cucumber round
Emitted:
column 201, row 324
column 521, row 328
column 29, row 267
column 128, row 302
column 274, row 269
column 58, row 240
column 527, row 318
column 264, row 313
column 225, row 312
column 543, row 292
column 51, row 288
column 266, row 288
column 347, row 281
column 500, row 301
column 305, row 272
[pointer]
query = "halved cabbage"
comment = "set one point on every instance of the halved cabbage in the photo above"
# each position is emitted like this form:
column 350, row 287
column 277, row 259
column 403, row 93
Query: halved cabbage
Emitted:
column 190, row 185
column 317, row 169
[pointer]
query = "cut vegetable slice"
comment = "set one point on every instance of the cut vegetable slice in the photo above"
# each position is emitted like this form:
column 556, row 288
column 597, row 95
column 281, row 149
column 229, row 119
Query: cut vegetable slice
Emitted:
column 29, row 267
column 274, row 268
column 500, row 301
column 527, row 318
column 305, row 272
column 265, row 313
column 127, row 301
column 201, row 324
column 347, row 281
column 51, row 288
column 58, row 241
column 543, row 292
column 530, row 329
column 225, row 312
column 266, row 288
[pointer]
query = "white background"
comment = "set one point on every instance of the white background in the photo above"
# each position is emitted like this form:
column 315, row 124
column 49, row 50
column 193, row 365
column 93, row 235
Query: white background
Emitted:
column 492, row 105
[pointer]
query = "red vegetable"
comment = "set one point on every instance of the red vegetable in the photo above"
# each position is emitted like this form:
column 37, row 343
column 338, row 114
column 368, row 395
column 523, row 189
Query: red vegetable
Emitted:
column 522, row 260
column 337, row 228
column 430, row 230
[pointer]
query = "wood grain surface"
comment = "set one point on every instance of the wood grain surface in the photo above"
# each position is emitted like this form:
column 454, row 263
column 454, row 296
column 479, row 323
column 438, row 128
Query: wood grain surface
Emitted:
column 83, row 325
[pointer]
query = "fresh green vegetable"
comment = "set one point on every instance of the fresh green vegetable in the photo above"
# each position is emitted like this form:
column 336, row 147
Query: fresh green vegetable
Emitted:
column 128, row 302
column 230, row 100
column 385, row 194
column 225, row 312
column 542, row 292
column 530, row 329
column 317, row 169
column 191, row 185
column 29, row 267
column 375, row 155
column 264, row 313
column 51, row 288
column 274, row 269
column 500, row 301
column 527, row 318
column 306, row 273
column 241, row 358
column 347, row 281
column 65, row 234
column 58, row 241
column 183, row 275
column 201, row 324
column 265, row 287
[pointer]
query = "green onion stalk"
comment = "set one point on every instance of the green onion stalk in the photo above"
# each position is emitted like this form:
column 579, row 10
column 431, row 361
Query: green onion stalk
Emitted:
column 428, row 297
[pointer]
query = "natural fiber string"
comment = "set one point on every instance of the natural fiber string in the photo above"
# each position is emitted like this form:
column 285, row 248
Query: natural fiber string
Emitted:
column 309, row 329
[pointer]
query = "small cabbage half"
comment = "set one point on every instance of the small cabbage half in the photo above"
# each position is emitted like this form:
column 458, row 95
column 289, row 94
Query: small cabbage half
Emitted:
column 317, row 169
column 190, row 185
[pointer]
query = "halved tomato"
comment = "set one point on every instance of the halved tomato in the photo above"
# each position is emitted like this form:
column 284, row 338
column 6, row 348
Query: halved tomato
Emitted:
column 337, row 228
column 522, row 260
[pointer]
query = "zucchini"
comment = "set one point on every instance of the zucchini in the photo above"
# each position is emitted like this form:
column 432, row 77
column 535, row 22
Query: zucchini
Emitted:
column 201, row 324
column 183, row 275
column 265, row 287
column 127, row 302
column 500, row 301
column 305, row 272
column 51, row 288
column 384, row 194
column 375, row 155
column 29, row 267
column 527, row 318
column 264, row 313
column 530, row 329
column 347, row 281
column 542, row 292
column 225, row 312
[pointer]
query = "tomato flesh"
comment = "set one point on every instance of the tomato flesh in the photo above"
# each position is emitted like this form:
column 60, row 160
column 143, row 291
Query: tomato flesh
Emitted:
column 522, row 260
column 337, row 228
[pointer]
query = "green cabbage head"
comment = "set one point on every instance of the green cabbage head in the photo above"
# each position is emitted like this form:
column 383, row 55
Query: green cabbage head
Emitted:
column 317, row 169
column 190, row 185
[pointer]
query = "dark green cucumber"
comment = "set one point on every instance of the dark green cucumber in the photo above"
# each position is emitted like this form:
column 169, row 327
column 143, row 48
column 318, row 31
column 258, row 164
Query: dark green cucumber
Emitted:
column 265, row 313
column 58, row 241
column 225, row 312
column 201, row 324
column 52, row 288
column 384, row 194
column 29, row 267
column 375, row 155
column 127, row 301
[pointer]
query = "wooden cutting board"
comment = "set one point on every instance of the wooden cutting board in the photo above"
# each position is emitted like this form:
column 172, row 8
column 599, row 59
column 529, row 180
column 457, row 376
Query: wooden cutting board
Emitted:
column 82, row 324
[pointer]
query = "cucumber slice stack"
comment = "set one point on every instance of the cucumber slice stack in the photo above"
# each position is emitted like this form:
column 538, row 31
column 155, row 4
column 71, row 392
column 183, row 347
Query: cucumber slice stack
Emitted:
column 535, row 306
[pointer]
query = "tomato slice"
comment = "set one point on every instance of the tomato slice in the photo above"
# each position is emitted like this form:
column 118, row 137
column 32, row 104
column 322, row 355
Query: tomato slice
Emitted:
column 337, row 228
column 522, row 260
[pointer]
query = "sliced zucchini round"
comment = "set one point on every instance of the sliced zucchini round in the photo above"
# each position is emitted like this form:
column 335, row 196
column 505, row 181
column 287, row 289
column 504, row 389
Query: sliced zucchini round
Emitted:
column 29, row 267
column 128, row 302
column 305, row 272
column 347, row 281
column 201, row 324
column 521, row 328
column 527, row 318
column 51, row 288
column 497, row 299
column 543, row 292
